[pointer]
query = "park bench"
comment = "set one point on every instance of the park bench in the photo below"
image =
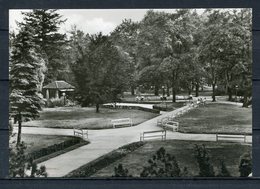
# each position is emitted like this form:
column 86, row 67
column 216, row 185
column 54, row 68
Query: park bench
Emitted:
column 162, row 121
column 173, row 125
column 230, row 136
column 80, row 133
column 123, row 121
column 153, row 134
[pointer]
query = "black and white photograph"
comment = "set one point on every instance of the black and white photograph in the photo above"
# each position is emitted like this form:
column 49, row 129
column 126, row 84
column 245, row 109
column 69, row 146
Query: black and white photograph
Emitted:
column 130, row 93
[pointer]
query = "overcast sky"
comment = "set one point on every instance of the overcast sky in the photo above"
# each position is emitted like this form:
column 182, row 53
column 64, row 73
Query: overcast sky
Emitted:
column 91, row 20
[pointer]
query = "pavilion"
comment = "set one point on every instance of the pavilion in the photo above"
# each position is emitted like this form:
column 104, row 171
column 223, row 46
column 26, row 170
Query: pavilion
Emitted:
column 57, row 89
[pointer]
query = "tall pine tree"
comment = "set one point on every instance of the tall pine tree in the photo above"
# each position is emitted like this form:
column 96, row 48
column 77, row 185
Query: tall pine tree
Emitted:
column 46, row 25
column 25, row 99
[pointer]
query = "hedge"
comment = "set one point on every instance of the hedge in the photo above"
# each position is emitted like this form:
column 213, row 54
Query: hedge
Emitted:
column 54, row 148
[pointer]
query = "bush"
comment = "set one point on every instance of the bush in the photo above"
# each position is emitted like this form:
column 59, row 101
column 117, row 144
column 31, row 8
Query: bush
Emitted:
column 223, row 170
column 121, row 172
column 54, row 148
column 203, row 160
column 162, row 165
column 55, row 102
column 245, row 165
column 22, row 166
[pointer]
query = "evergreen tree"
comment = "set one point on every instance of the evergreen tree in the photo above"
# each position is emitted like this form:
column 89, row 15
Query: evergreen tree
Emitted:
column 46, row 25
column 25, row 99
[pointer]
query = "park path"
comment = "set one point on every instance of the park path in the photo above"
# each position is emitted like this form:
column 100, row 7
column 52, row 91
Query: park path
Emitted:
column 104, row 141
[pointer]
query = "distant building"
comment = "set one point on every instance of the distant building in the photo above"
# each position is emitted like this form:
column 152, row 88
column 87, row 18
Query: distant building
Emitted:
column 57, row 89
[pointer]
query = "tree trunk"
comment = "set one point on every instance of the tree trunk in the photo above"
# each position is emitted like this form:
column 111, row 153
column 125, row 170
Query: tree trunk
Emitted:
column 97, row 108
column 197, row 89
column 173, row 87
column 173, row 94
column 132, row 90
column 189, row 91
column 168, row 89
column 156, row 90
column 213, row 93
column 229, row 93
column 245, row 101
column 19, row 129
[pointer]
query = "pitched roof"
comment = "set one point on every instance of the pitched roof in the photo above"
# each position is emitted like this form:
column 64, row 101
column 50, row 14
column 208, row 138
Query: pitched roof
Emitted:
column 59, row 85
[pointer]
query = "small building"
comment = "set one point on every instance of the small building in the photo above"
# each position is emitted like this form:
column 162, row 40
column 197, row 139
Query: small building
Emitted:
column 57, row 89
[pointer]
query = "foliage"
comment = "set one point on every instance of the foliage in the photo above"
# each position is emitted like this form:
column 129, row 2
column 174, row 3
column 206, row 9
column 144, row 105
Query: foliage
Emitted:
column 120, row 171
column 45, row 34
column 26, row 63
column 21, row 166
column 100, row 75
column 203, row 160
column 162, row 164
column 223, row 170
column 245, row 165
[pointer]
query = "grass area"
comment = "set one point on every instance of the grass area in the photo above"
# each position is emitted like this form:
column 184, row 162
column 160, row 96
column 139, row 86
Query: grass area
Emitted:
column 217, row 118
column 183, row 151
column 45, row 147
column 87, row 118
column 36, row 142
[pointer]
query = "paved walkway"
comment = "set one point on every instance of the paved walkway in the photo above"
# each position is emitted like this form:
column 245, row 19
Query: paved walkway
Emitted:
column 104, row 141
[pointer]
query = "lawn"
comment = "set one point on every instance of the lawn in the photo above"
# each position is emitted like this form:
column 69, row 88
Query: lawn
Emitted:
column 36, row 142
column 217, row 118
column 44, row 147
column 183, row 151
column 87, row 118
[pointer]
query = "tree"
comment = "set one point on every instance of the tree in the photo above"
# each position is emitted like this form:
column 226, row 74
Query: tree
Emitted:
column 226, row 50
column 26, row 63
column 46, row 25
column 164, row 47
column 203, row 160
column 99, row 72
column 125, row 37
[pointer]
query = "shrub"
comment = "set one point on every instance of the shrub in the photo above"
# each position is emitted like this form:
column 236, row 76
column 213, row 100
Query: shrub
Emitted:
column 162, row 164
column 121, row 172
column 22, row 166
column 245, row 165
column 55, row 102
column 223, row 170
column 203, row 160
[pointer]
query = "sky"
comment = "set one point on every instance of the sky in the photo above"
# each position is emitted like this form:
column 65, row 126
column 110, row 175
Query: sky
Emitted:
column 91, row 20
